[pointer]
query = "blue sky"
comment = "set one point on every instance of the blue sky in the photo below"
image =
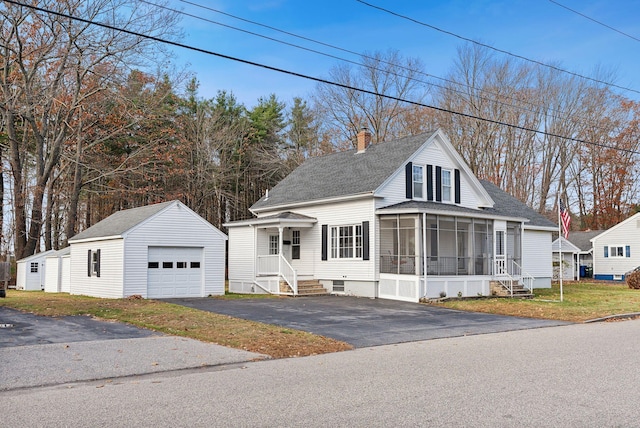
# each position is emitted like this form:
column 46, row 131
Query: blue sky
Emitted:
column 536, row 29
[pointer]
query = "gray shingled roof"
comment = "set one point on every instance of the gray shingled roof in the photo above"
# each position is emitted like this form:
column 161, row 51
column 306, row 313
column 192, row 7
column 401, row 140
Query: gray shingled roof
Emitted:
column 505, row 206
column 343, row 173
column 582, row 239
column 120, row 222
column 508, row 206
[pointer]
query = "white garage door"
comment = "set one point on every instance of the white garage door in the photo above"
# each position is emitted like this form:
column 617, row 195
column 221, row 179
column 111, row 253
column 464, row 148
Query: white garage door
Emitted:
column 174, row 272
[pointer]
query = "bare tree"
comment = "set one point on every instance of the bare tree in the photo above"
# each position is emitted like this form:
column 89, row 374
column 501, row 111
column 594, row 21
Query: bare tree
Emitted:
column 347, row 110
column 47, row 61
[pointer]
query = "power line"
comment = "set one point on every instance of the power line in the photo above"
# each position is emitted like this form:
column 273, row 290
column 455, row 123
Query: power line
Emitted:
column 553, row 67
column 556, row 113
column 313, row 78
column 596, row 21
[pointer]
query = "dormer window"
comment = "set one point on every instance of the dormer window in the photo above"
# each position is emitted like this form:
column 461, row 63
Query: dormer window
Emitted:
column 418, row 181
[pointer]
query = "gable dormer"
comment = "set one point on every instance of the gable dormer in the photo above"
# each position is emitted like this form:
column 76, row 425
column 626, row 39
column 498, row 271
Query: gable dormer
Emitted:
column 434, row 173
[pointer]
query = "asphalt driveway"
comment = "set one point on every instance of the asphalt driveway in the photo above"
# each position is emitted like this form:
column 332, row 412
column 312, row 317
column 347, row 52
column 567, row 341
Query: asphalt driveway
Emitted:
column 364, row 322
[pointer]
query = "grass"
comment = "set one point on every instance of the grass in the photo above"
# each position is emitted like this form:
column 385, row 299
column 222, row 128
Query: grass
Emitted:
column 582, row 301
column 277, row 342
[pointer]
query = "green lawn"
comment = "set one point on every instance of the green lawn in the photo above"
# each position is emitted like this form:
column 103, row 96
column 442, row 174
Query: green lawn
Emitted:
column 582, row 301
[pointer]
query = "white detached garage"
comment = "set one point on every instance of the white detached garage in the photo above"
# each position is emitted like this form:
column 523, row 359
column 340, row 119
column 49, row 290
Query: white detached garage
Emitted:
column 156, row 251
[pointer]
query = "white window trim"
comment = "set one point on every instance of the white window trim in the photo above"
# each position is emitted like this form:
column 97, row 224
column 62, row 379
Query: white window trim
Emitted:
column 422, row 184
column 450, row 186
column 33, row 267
column 95, row 260
column 615, row 256
column 334, row 242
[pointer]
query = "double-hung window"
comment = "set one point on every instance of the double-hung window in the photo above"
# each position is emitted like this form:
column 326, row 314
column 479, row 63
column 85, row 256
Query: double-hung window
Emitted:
column 346, row 242
column 33, row 267
column 295, row 244
column 418, row 181
column 446, row 185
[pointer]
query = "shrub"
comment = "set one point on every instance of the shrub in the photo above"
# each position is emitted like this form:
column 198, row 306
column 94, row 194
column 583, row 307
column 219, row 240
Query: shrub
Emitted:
column 633, row 280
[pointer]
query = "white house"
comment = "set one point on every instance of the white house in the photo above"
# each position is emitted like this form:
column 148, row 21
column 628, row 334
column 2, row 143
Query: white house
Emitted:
column 403, row 220
column 617, row 250
column 155, row 251
column 58, row 271
column 30, row 271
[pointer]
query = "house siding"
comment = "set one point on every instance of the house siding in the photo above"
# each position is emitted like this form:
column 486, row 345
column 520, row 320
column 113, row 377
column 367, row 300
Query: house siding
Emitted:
column 536, row 256
column 624, row 234
column 110, row 282
column 65, row 274
column 174, row 227
column 241, row 259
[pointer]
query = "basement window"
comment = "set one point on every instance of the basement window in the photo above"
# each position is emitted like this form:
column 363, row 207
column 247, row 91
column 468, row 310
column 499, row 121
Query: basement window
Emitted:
column 338, row 286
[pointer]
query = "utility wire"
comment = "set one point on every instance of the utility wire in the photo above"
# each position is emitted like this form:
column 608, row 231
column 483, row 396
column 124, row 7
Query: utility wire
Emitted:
column 596, row 21
column 553, row 67
column 557, row 114
column 316, row 79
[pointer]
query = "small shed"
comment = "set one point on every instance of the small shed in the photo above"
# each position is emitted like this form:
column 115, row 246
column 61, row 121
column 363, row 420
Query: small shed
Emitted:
column 30, row 271
column 58, row 271
column 155, row 251
column 567, row 258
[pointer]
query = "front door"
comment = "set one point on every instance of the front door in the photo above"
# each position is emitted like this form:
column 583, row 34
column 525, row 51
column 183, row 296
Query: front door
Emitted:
column 500, row 252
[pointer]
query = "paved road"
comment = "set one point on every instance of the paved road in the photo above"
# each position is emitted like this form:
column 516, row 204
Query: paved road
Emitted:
column 580, row 375
column 36, row 351
column 365, row 322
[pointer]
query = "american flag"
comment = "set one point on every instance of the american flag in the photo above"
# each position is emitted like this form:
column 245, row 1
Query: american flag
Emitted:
column 565, row 219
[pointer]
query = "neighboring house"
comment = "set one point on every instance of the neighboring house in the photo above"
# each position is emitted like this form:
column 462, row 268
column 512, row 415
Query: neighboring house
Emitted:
column 570, row 253
column 403, row 220
column 155, row 251
column 58, row 271
column 617, row 251
column 30, row 271
column 584, row 257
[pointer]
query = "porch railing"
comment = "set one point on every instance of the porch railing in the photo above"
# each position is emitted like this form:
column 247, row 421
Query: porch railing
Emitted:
column 289, row 275
column 502, row 275
column 278, row 265
column 526, row 278
column 268, row 265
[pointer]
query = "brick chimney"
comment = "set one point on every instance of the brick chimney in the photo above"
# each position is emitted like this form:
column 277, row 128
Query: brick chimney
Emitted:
column 364, row 139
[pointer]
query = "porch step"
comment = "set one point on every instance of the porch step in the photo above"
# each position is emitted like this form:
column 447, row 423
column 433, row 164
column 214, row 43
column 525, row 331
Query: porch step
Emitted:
column 519, row 291
column 308, row 288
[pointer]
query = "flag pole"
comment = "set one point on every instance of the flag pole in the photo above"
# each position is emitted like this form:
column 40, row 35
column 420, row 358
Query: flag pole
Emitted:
column 560, row 245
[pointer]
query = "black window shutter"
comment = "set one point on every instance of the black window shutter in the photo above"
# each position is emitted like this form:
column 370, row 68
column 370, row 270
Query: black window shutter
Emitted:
column 98, row 263
column 408, row 176
column 88, row 262
column 325, row 235
column 429, row 179
column 365, row 240
column 457, row 185
column 439, row 184
column 606, row 252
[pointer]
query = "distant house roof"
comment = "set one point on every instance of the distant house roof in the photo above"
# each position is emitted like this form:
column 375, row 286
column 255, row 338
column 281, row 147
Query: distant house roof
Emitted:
column 122, row 221
column 582, row 239
column 343, row 174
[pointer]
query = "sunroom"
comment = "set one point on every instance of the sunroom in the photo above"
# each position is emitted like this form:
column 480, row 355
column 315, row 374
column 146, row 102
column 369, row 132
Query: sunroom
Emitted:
column 427, row 254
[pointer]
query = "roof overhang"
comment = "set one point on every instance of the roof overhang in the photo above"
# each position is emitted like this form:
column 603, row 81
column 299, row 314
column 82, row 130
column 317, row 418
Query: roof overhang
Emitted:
column 98, row 238
column 468, row 213
column 312, row 202
column 286, row 219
